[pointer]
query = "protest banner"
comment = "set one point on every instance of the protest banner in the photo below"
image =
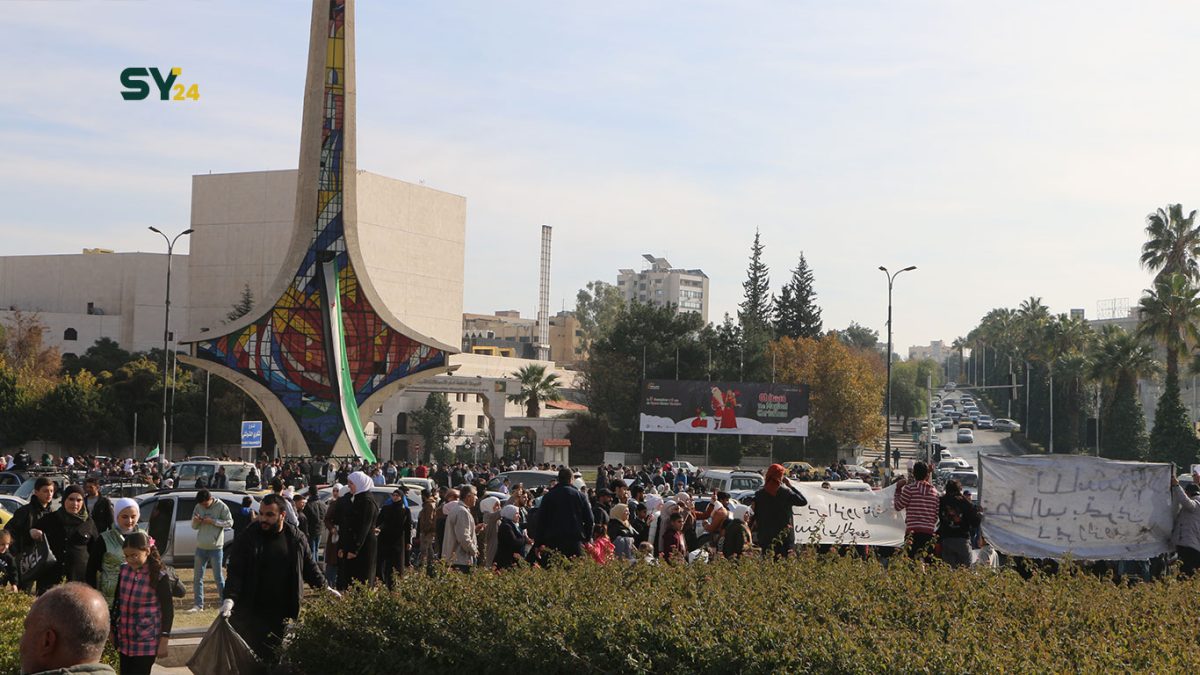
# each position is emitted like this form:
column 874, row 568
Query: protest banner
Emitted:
column 841, row 517
column 1052, row 506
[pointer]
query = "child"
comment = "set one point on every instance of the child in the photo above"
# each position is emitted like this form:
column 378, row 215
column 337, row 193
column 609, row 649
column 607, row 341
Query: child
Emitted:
column 673, row 546
column 8, row 565
column 142, row 610
column 600, row 547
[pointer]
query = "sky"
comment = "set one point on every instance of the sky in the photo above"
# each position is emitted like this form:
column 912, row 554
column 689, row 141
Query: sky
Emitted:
column 1007, row 152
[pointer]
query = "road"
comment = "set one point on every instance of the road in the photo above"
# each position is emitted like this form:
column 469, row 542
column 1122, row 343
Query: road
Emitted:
column 987, row 442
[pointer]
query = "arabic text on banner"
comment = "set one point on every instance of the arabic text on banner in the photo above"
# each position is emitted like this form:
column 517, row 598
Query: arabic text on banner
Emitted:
column 837, row 517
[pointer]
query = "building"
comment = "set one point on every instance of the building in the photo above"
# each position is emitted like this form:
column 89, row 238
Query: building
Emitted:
column 83, row 297
column 506, row 333
column 662, row 285
column 936, row 350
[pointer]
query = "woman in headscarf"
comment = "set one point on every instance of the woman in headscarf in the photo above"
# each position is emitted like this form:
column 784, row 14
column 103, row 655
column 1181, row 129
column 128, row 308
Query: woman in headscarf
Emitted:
column 107, row 551
column 662, row 525
column 688, row 508
column 773, row 512
column 620, row 532
column 69, row 532
column 358, row 548
column 510, row 541
column 489, row 508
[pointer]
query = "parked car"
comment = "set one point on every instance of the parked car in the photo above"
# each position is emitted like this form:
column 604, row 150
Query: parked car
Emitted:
column 985, row 422
column 966, row 435
column 1005, row 424
column 531, row 479
column 729, row 481
column 953, row 464
column 125, row 488
column 10, row 481
column 11, row 503
column 419, row 483
column 167, row 516
column 186, row 473
column 686, row 466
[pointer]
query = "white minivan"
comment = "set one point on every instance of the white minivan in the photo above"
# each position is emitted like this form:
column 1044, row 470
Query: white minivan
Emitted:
column 186, row 473
column 730, row 481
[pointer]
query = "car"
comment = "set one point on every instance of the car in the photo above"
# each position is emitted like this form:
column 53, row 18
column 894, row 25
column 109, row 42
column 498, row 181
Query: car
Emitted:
column 532, row 479
column 167, row 516
column 966, row 435
column 950, row 386
column 61, row 481
column 798, row 466
column 859, row 471
column 974, row 415
column 953, row 464
column 11, row 503
column 956, row 416
column 729, row 481
column 966, row 423
column 965, row 478
column 947, row 423
column 1005, row 424
column 380, row 494
column 186, row 473
column 848, row 485
column 125, row 488
column 686, row 466
column 984, row 422
column 419, row 483
column 10, row 481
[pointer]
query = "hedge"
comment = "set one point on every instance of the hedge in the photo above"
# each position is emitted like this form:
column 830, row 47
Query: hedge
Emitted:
column 14, row 607
column 814, row 614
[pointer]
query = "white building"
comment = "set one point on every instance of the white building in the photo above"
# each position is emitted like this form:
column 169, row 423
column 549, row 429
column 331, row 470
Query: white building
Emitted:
column 662, row 285
column 83, row 297
column 936, row 350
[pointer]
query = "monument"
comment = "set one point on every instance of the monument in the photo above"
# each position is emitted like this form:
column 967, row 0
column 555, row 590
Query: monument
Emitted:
column 326, row 343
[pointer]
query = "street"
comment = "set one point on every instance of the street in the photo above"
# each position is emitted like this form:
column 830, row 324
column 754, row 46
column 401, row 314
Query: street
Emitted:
column 987, row 442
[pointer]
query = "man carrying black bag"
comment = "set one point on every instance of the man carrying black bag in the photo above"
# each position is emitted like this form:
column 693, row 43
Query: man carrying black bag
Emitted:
column 268, row 566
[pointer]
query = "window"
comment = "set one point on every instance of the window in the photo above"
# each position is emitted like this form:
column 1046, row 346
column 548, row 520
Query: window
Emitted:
column 70, row 334
column 462, row 421
column 479, row 398
column 69, row 355
column 402, row 423
column 479, row 422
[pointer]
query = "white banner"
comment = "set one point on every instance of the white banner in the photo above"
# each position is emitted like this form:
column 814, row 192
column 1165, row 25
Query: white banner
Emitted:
column 839, row 517
column 1051, row 506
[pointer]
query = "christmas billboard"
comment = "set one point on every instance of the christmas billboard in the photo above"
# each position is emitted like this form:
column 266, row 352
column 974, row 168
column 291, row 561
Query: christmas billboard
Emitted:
column 702, row 407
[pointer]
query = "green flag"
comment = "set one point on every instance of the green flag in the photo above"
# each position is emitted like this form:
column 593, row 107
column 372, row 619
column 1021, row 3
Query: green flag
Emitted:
column 153, row 454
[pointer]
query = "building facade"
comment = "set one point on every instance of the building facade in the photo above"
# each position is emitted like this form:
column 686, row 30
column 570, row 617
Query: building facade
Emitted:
column 507, row 333
column 662, row 285
column 936, row 350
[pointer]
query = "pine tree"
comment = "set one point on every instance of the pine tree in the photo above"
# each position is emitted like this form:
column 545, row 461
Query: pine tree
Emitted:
column 756, row 309
column 243, row 306
column 1172, row 438
column 796, row 311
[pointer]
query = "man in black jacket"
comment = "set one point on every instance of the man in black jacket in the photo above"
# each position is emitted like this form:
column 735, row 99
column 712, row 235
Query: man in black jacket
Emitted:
column 565, row 519
column 395, row 536
column 99, row 508
column 268, row 566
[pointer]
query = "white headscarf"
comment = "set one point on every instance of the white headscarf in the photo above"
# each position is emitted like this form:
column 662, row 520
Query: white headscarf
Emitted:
column 360, row 482
column 510, row 512
column 122, row 504
column 288, row 493
column 653, row 502
column 488, row 504
column 738, row 511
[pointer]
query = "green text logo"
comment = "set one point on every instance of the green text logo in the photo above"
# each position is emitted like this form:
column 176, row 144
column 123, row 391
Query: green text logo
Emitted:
column 136, row 83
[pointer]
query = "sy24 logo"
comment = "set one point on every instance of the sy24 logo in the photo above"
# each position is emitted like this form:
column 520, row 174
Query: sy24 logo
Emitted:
column 137, row 86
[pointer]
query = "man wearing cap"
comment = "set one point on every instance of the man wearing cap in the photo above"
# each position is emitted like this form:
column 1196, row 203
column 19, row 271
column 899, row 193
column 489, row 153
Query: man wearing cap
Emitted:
column 1186, row 536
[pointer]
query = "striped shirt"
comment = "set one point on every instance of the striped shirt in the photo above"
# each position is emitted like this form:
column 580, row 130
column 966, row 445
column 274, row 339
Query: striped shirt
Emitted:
column 919, row 501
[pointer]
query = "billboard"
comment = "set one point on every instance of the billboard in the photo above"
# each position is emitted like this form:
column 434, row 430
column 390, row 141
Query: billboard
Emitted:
column 703, row 407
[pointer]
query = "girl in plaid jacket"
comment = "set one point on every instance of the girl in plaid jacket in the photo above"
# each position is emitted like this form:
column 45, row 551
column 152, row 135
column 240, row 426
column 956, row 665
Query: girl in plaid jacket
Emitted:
column 142, row 610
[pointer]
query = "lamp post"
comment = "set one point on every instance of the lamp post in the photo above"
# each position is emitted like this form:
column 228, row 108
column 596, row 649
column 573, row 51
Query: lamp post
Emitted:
column 887, row 401
column 167, row 331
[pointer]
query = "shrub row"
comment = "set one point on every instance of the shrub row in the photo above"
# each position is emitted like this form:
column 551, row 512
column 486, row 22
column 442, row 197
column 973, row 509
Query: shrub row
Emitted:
column 813, row 614
column 14, row 607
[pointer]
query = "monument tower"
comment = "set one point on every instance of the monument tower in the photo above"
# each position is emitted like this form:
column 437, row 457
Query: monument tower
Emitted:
column 325, row 344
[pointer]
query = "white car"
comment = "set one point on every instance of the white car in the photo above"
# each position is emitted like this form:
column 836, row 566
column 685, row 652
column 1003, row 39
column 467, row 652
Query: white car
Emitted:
column 686, row 466
column 1005, row 424
column 167, row 516
column 953, row 464
column 186, row 473
column 966, row 436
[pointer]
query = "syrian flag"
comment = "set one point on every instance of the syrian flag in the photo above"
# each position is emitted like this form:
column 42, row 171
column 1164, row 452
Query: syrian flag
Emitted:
column 153, row 454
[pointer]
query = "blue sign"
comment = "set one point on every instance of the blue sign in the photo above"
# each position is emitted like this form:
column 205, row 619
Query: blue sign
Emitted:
column 251, row 434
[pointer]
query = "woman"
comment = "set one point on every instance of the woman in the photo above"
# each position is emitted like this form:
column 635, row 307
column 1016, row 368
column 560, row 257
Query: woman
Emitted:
column 490, row 508
column 956, row 518
column 107, row 553
column 510, row 541
column 358, row 548
column 621, row 532
column 70, row 533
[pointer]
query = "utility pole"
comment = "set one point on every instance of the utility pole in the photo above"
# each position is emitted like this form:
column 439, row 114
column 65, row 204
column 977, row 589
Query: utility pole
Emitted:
column 167, row 332
column 887, row 401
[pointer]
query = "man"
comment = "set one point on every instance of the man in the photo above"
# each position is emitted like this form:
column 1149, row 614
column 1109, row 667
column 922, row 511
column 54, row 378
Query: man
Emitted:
column 427, row 529
column 896, row 458
column 268, row 566
column 1186, row 534
column 289, row 511
column 601, row 507
column 459, row 546
column 920, row 502
column 314, row 518
column 99, row 508
column 220, row 481
column 565, row 520
column 210, row 518
column 773, row 504
column 65, row 632
column 395, row 536
column 24, row 519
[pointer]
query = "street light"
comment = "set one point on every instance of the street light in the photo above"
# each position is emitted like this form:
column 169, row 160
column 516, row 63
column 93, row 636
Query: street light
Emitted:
column 166, row 331
column 887, row 403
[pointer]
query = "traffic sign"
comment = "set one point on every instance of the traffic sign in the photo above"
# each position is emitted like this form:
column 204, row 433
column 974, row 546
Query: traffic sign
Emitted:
column 251, row 434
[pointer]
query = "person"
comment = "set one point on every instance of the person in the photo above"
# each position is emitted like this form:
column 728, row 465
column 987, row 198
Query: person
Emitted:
column 718, row 513
column 641, row 524
column 244, row 515
column 427, row 528
column 673, row 546
column 395, row 536
column 289, row 510
column 601, row 506
column 220, row 481
column 736, row 537
column 252, row 481
column 210, row 518
column 920, row 503
column 489, row 511
column 25, row 519
column 358, row 547
column 459, row 545
column 565, row 520
column 99, row 508
column 895, row 458
column 268, row 567
column 143, row 610
column 8, row 564
column 510, row 541
column 108, row 551
column 957, row 517
column 314, row 518
column 600, row 548
column 66, row 630
column 620, row 532
column 69, row 533
column 773, row 504
column 1186, row 534
column 300, row 502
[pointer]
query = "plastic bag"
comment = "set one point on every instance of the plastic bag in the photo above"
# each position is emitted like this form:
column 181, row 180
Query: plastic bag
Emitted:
column 222, row 652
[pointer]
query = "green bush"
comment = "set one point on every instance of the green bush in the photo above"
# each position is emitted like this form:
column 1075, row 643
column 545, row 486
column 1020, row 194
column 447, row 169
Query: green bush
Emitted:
column 815, row 614
column 13, row 609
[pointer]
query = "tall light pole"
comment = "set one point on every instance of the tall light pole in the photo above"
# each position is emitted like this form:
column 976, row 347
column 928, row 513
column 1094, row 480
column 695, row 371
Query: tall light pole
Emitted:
column 887, row 401
column 167, row 331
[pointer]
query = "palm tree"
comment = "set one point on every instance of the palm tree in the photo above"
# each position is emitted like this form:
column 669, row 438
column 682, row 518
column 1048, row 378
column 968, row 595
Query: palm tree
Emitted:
column 1170, row 314
column 1172, row 243
column 536, row 386
column 1119, row 360
column 960, row 343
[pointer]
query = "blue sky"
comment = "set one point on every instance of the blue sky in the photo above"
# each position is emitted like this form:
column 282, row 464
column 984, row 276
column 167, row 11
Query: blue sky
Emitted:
column 1007, row 154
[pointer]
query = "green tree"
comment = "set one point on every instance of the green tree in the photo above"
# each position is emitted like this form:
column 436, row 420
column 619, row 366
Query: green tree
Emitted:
column 796, row 310
column 756, row 308
column 1119, row 359
column 536, row 387
column 73, row 412
column 103, row 356
column 1169, row 314
column 1172, row 243
column 433, row 423
column 859, row 336
column 590, row 436
column 1172, row 438
column 243, row 306
column 597, row 307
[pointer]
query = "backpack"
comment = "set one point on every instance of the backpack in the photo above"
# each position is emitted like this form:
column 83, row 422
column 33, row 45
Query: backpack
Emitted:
column 177, row 589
